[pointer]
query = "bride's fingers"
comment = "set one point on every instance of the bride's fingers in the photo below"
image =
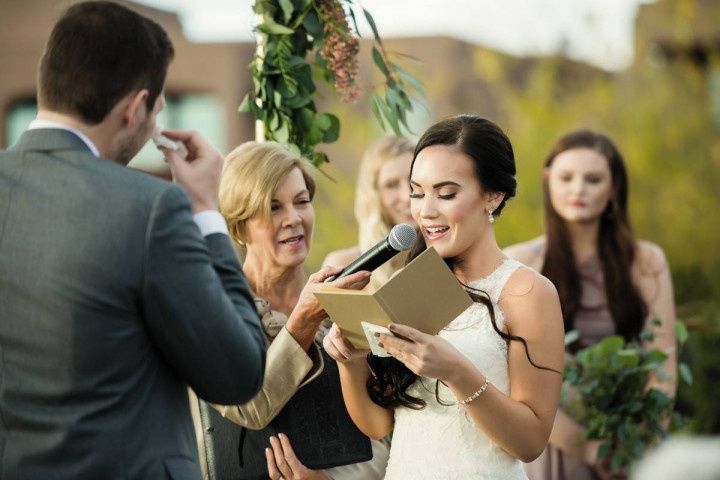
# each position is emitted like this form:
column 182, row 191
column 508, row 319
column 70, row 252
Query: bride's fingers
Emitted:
column 331, row 347
column 408, row 333
column 397, row 347
column 333, row 352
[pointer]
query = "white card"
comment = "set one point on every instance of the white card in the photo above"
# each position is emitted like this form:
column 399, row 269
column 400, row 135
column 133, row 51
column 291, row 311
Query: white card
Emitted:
column 370, row 329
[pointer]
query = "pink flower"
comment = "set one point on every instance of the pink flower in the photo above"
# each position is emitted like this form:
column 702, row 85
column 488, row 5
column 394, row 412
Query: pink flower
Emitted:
column 340, row 49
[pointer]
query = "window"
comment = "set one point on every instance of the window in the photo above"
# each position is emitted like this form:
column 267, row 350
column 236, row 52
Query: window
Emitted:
column 201, row 112
column 19, row 116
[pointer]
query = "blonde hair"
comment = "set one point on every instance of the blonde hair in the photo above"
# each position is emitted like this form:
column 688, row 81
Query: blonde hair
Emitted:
column 374, row 223
column 250, row 176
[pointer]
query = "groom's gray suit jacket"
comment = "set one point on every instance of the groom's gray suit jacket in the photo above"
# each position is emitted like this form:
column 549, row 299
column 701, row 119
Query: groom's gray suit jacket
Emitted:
column 111, row 301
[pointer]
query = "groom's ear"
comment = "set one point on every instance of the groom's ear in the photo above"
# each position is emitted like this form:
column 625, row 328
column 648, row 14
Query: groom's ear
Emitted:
column 135, row 110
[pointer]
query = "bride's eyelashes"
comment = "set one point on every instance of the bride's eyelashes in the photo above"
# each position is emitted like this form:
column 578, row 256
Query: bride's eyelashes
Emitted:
column 445, row 196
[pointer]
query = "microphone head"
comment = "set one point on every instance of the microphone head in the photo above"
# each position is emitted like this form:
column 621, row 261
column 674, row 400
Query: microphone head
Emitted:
column 402, row 237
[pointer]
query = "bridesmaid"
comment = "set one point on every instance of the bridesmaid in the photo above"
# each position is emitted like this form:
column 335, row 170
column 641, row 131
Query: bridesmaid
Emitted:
column 609, row 282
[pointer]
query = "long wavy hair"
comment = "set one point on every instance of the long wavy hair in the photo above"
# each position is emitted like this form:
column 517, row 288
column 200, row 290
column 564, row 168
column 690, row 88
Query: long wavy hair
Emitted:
column 494, row 165
column 616, row 244
column 373, row 221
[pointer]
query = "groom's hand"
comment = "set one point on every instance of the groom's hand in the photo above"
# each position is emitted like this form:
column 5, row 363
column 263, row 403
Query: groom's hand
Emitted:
column 199, row 172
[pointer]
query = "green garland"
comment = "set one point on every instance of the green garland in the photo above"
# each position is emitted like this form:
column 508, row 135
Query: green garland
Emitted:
column 290, row 33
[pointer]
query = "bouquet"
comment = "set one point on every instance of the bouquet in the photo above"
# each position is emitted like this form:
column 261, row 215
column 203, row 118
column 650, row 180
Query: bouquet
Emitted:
column 612, row 399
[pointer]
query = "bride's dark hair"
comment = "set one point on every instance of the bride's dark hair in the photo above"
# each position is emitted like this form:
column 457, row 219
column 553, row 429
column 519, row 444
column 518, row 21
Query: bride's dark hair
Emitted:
column 494, row 165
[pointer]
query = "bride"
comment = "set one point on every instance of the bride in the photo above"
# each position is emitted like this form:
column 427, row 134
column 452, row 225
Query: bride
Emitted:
column 480, row 397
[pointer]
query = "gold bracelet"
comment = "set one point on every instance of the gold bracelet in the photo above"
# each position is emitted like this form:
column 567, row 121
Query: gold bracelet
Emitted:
column 479, row 392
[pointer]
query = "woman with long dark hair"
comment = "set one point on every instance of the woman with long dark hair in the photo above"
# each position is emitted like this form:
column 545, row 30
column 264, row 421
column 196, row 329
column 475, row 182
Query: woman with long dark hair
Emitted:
column 479, row 397
column 608, row 281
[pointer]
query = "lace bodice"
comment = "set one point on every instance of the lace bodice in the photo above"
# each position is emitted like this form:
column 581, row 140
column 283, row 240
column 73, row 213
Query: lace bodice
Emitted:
column 441, row 442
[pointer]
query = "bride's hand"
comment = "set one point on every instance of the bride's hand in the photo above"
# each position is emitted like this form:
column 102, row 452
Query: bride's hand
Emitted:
column 340, row 348
column 426, row 355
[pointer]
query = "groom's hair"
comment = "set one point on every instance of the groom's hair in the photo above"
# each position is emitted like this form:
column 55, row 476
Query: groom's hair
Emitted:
column 97, row 53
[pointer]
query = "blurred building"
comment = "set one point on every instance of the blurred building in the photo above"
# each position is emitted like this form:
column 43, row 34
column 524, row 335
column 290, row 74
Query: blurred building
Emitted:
column 677, row 34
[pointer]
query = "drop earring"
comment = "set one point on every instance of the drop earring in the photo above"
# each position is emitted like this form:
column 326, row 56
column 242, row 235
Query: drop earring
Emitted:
column 491, row 219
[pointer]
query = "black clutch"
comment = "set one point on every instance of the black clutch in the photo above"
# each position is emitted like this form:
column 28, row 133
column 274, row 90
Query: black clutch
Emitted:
column 315, row 420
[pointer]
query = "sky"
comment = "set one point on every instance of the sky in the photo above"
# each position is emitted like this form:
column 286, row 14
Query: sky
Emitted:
column 599, row 32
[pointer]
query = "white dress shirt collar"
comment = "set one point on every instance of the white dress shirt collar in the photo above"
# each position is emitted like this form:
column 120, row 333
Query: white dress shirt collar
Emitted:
column 37, row 124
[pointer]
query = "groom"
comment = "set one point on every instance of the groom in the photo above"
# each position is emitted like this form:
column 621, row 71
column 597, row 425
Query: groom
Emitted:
column 113, row 295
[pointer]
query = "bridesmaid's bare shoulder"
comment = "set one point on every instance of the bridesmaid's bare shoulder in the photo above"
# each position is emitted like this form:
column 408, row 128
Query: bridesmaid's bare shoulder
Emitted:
column 341, row 258
column 530, row 253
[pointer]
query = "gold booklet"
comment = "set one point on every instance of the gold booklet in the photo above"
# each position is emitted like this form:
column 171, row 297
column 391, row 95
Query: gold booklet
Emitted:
column 424, row 295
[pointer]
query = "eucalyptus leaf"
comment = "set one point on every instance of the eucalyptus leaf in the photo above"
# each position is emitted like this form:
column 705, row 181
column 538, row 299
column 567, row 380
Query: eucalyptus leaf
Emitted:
column 410, row 79
column 376, row 111
column 332, row 133
column 380, row 62
column 685, row 373
column 373, row 27
column 298, row 101
column 274, row 122
column 245, row 104
column 681, row 331
column 603, row 450
column 312, row 24
column 389, row 115
column 647, row 336
column 611, row 344
column 617, row 461
column 272, row 28
column 571, row 337
column 354, row 21
column 656, row 356
column 288, row 8
column 322, row 121
column 304, row 78
column 393, row 99
column 282, row 134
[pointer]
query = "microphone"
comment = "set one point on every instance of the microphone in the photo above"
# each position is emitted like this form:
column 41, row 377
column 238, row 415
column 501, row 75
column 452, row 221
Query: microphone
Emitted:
column 401, row 237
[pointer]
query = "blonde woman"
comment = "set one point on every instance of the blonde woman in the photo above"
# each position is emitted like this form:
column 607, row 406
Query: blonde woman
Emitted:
column 382, row 200
column 266, row 198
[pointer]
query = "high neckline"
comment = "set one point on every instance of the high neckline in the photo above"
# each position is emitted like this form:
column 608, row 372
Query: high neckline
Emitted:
column 491, row 275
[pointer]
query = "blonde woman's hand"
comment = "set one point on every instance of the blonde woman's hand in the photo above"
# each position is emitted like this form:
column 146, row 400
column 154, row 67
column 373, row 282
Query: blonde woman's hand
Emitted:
column 308, row 309
column 282, row 462
column 340, row 348
column 426, row 355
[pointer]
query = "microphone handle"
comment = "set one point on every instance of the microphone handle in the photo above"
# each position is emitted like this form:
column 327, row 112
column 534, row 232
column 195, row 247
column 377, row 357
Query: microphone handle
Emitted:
column 370, row 260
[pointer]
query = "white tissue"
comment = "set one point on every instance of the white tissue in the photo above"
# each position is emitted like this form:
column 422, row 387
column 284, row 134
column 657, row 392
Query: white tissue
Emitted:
column 161, row 140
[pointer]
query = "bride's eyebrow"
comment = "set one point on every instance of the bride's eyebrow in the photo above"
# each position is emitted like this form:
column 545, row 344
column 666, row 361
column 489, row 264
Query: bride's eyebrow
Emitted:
column 445, row 184
column 437, row 185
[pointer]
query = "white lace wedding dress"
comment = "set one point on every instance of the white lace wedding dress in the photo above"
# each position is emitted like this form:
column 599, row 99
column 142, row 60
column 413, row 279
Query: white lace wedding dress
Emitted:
column 441, row 442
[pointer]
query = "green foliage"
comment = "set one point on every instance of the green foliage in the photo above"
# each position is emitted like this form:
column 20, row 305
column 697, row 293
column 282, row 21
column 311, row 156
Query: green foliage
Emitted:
column 701, row 356
column 612, row 400
column 291, row 33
